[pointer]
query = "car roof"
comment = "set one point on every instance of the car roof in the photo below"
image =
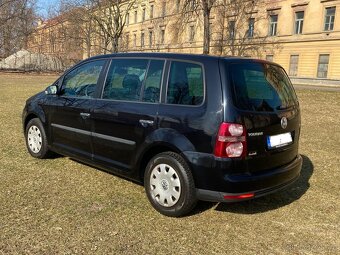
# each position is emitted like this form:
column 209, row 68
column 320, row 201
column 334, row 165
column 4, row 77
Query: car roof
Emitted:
column 183, row 56
column 156, row 55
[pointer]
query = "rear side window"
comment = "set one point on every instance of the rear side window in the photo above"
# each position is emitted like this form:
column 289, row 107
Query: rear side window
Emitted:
column 124, row 79
column 261, row 87
column 153, row 80
column 134, row 80
column 185, row 85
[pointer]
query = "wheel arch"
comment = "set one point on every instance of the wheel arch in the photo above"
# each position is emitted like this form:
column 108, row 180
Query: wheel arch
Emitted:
column 28, row 118
column 32, row 113
column 161, row 141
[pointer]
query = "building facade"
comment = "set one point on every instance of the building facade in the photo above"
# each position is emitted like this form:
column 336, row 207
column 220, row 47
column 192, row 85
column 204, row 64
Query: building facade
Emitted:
column 302, row 36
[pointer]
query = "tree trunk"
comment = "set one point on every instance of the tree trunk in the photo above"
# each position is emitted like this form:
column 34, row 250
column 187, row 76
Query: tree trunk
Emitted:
column 206, row 24
column 115, row 42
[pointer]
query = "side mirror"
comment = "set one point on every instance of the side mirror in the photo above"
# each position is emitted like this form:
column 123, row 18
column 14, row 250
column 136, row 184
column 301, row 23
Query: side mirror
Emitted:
column 51, row 90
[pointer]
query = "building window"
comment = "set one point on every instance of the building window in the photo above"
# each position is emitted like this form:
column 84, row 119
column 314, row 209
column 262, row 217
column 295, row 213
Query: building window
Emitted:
column 251, row 23
column 151, row 11
column 127, row 38
column 270, row 58
column 143, row 15
column 150, row 38
column 191, row 33
column 162, row 35
column 299, row 22
column 323, row 65
column 127, row 19
column 231, row 28
column 142, row 39
column 163, row 9
column 134, row 40
column 293, row 65
column 329, row 19
column 135, row 16
column 273, row 25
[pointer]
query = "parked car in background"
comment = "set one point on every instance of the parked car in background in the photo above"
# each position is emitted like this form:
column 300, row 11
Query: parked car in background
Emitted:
column 189, row 127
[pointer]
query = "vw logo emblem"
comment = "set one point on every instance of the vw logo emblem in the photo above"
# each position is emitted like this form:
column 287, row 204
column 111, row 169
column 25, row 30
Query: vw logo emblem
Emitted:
column 284, row 122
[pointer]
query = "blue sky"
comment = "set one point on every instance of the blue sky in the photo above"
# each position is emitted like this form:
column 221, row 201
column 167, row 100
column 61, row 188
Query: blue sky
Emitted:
column 43, row 6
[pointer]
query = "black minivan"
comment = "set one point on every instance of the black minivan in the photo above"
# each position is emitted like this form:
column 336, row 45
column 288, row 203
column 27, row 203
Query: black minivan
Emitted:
column 188, row 127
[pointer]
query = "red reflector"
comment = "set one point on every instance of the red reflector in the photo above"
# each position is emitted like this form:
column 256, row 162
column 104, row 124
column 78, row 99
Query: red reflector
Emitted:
column 243, row 196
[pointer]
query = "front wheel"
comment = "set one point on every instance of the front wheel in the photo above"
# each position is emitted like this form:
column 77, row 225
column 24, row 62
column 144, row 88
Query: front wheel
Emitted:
column 169, row 185
column 36, row 140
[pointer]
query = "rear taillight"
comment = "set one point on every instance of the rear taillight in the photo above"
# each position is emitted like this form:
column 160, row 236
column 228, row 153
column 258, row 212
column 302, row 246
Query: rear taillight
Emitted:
column 231, row 141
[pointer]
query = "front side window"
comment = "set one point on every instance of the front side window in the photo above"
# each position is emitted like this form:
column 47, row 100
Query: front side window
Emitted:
column 273, row 25
column 323, row 65
column 329, row 18
column 134, row 80
column 82, row 81
column 299, row 22
column 185, row 86
column 135, row 16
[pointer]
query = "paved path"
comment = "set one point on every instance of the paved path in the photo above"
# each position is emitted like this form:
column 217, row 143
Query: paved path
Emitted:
column 316, row 87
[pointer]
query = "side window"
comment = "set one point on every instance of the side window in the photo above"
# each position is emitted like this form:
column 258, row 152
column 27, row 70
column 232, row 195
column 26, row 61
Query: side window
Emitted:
column 125, row 79
column 185, row 85
column 153, row 81
column 82, row 81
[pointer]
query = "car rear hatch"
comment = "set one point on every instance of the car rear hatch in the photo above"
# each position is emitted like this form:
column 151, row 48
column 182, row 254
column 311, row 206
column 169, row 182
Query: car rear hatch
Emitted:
column 265, row 103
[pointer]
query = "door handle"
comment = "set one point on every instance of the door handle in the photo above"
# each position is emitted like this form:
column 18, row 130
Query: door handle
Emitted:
column 85, row 115
column 146, row 123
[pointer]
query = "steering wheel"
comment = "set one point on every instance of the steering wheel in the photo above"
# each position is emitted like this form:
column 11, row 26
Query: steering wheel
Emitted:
column 83, row 90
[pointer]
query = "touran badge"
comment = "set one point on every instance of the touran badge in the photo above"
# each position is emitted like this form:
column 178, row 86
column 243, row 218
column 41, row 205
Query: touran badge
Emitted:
column 284, row 122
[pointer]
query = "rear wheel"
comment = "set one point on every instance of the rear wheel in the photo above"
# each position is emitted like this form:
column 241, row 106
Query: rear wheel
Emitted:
column 169, row 185
column 36, row 140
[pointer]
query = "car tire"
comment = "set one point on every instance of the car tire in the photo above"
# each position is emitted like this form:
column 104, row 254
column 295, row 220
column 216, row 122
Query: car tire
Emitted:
column 36, row 140
column 169, row 185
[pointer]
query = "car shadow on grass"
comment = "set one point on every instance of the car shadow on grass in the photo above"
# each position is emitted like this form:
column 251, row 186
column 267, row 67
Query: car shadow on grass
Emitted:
column 270, row 202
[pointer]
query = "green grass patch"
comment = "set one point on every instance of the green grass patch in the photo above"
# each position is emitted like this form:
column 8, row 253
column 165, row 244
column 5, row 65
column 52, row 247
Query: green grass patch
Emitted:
column 59, row 206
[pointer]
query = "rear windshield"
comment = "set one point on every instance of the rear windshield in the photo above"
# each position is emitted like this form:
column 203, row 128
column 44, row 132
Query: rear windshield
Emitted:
column 261, row 87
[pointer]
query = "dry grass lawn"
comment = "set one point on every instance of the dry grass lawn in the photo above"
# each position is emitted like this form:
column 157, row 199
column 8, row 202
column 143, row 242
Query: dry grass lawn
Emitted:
column 59, row 206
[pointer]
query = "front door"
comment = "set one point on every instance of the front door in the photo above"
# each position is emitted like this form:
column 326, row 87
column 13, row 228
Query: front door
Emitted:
column 69, row 112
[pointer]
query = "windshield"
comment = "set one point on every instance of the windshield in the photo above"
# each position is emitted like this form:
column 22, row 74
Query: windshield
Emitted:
column 261, row 87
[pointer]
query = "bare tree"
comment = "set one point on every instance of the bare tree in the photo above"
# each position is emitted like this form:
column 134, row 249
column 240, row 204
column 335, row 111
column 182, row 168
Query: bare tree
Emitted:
column 17, row 18
column 79, row 27
column 198, row 9
column 238, row 30
column 109, row 17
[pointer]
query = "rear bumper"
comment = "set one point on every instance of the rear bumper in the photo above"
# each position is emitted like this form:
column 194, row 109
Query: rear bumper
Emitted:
column 216, row 196
column 218, row 184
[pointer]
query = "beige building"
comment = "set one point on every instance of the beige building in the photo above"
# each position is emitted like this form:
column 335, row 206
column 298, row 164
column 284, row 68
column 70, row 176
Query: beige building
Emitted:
column 303, row 36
